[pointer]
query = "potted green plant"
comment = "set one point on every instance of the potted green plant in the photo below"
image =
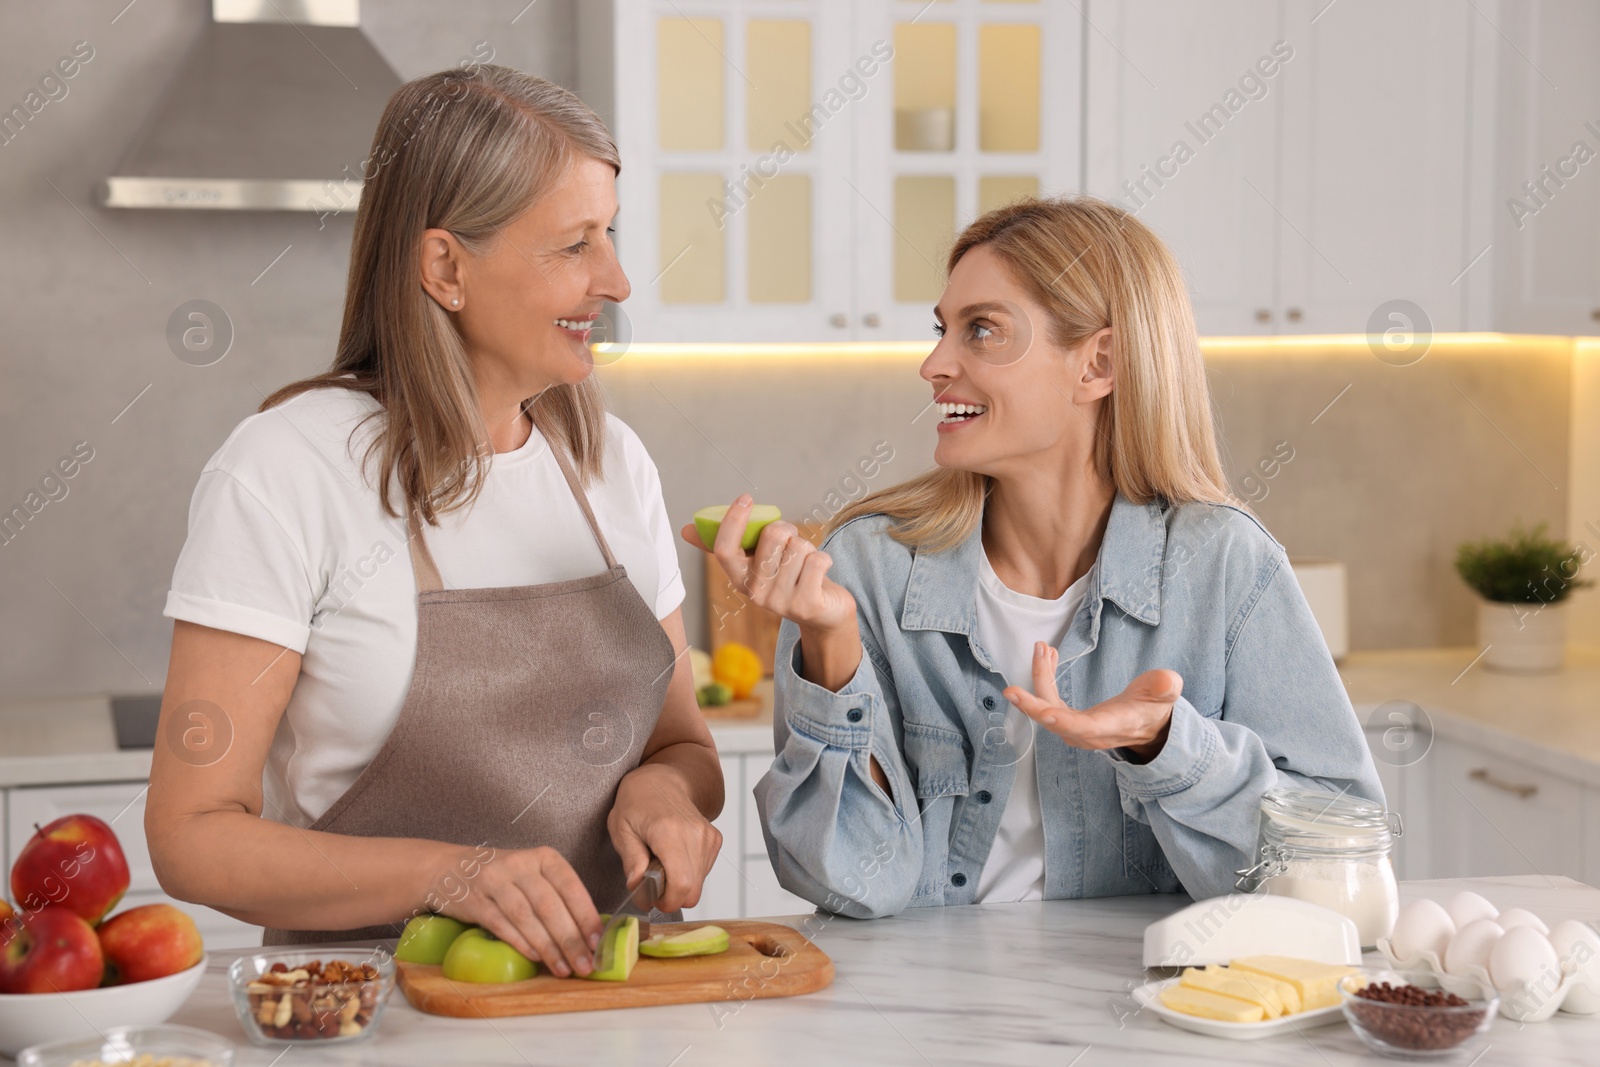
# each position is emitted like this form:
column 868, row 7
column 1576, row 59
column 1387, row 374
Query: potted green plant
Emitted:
column 1521, row 581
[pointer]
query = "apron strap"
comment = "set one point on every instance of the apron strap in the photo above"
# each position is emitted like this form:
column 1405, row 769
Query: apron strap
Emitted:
column 422, row 565
column 583, row 502
column 427, row 571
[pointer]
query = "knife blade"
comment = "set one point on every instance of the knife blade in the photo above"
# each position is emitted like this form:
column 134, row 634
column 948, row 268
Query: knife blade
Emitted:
column 639, row 901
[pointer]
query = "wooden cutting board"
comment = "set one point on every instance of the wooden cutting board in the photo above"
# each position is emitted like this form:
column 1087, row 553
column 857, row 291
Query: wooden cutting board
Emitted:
column 763, row 960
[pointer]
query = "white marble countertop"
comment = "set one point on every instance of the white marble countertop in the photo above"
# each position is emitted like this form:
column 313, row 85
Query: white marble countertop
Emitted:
column 1007, row 984
column 1552, row 720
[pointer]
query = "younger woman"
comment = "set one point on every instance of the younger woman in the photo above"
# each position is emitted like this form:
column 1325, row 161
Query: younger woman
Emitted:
column 1062, row 664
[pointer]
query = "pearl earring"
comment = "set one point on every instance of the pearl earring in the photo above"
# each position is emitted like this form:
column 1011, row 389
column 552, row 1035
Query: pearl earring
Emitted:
column 454, row 302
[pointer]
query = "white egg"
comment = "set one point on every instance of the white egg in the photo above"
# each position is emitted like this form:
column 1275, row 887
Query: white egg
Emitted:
column 1467, row 907
column 1523, row 957
column 1518, row 917
column 1577, row 946
column 1422, row 926
column 1471, row 946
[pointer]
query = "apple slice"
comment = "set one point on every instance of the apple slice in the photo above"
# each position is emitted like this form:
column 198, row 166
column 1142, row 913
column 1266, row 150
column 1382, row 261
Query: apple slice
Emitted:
column 701, row 941
column 707, row 521
column 618, row 952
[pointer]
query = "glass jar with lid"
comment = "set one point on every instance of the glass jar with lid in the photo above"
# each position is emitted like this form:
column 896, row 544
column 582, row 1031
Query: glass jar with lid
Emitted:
column 1330, row 849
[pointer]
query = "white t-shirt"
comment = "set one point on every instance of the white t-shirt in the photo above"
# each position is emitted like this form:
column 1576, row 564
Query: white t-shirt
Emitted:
column 1009, row 623
column 289, row 543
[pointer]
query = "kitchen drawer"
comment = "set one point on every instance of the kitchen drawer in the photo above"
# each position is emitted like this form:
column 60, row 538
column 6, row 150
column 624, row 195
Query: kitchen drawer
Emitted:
column 1492, row 816
column 763, row 896
column 754, row 843
column 722, row 896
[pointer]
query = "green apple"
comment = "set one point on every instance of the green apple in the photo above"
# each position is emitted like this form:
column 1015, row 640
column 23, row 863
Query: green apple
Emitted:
column 714, row 695
column 427, row 938
column 618, row 952
column 701, row 941
column 479, row 956
column 707, row 521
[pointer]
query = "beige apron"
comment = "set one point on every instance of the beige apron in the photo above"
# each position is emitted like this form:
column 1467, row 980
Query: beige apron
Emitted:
column 527, row 706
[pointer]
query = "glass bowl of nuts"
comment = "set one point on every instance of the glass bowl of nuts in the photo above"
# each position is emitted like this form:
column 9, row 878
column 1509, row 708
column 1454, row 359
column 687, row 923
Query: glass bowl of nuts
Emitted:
column 286, row 998
column 1397, row 1016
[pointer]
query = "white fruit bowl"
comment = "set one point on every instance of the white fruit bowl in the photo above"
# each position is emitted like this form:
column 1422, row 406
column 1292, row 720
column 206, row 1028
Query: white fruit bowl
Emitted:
column 34, row 1018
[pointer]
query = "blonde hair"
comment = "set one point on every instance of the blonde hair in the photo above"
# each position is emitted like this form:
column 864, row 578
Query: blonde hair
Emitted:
column 466, row 151
column 1089, row 264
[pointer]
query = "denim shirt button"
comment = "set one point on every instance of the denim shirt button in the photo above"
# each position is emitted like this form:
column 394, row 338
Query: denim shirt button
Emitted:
column 984, row 796
column 958, row 879
column 854, row 714
column 988, row 702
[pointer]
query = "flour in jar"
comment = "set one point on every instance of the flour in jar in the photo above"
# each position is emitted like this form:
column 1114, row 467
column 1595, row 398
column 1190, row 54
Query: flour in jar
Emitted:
column 1361, row 888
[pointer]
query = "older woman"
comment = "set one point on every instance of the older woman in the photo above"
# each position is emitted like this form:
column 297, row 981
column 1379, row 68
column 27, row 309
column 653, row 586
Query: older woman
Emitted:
column 1076, row 539
column 432, row 593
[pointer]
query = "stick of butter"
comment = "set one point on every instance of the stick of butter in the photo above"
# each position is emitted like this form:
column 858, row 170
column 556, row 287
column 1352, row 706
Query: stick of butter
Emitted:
column 1317, row 983
column 1208, row 1005
column 1276, row 998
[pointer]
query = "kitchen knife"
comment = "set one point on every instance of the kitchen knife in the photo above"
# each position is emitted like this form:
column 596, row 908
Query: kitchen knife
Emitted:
column 639, row 901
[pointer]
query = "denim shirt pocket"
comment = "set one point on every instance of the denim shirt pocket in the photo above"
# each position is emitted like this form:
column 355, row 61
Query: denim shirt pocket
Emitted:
column 937, row 757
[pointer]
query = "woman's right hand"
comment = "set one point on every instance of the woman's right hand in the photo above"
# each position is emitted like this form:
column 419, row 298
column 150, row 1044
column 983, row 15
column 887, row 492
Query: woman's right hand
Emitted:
column 532, row 899
column 785, row 573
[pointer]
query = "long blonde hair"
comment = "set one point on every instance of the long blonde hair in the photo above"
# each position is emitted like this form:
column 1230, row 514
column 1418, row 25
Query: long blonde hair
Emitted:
column 466, row 151
column 1089, row 264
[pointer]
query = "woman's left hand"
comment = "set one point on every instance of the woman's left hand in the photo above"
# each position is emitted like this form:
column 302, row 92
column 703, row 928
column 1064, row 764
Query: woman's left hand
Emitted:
column 1135, row 719
column 654, row 816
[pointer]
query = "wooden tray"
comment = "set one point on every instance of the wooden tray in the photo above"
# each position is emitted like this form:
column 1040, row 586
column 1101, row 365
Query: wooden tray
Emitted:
column 763, row 960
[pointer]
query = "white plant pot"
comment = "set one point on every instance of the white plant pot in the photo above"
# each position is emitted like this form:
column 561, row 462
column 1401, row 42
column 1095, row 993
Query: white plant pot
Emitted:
column 1525, row 638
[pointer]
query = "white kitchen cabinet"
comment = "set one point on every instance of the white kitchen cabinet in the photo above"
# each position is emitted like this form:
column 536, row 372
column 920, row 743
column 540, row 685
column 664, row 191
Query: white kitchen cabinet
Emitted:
column 1404, row 780
column 795, row 170
column 1205, row 181
column 723, row 894
column 121, row 805
column 1492, row 815
column 1377, row 162
column 1591, row 835
column 763, row 894
column 1546, row 210
column 1300, row 200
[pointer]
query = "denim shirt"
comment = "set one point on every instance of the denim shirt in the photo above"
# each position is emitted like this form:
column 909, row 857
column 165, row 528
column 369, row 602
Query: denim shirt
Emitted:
column 1201, row 589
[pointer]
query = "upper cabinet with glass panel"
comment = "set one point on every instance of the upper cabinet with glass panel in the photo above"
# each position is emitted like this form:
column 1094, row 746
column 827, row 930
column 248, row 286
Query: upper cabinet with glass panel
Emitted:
column 797, row 169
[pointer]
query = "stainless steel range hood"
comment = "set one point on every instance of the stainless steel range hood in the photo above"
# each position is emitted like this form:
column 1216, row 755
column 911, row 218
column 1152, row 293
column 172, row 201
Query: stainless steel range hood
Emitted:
column 273, row 110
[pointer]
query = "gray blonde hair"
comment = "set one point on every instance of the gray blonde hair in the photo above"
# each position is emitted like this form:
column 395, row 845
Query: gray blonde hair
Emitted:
column 466, row 151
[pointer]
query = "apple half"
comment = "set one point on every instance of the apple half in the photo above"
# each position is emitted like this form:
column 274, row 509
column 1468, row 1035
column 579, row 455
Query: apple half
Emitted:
column 427, row 938
column 701, row 941
column 707, row 521
column 479, row 956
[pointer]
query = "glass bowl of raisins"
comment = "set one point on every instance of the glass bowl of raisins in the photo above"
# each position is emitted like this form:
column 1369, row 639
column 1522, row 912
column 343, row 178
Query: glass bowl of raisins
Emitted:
column 1398, row 1014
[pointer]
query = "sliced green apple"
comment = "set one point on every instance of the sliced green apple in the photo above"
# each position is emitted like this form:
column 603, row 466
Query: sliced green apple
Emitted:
column 427, row 938
column 701, row 941
column 618, row 952
column 707, row 521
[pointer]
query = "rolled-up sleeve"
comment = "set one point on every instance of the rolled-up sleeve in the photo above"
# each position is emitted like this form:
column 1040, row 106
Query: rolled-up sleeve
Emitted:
column 833, row 836
column 1285, row 721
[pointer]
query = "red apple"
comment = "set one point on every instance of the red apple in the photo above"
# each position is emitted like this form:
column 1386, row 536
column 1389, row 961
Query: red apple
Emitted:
column 6, row 911
column 147, row 942
column 76, row 863
column 51, row 950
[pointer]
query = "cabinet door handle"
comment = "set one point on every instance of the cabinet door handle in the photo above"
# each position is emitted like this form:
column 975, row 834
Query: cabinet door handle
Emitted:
column 1483, row 774
column 1294, row 315
column 1263, row 315
column 838, row 320
column 871, row 320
